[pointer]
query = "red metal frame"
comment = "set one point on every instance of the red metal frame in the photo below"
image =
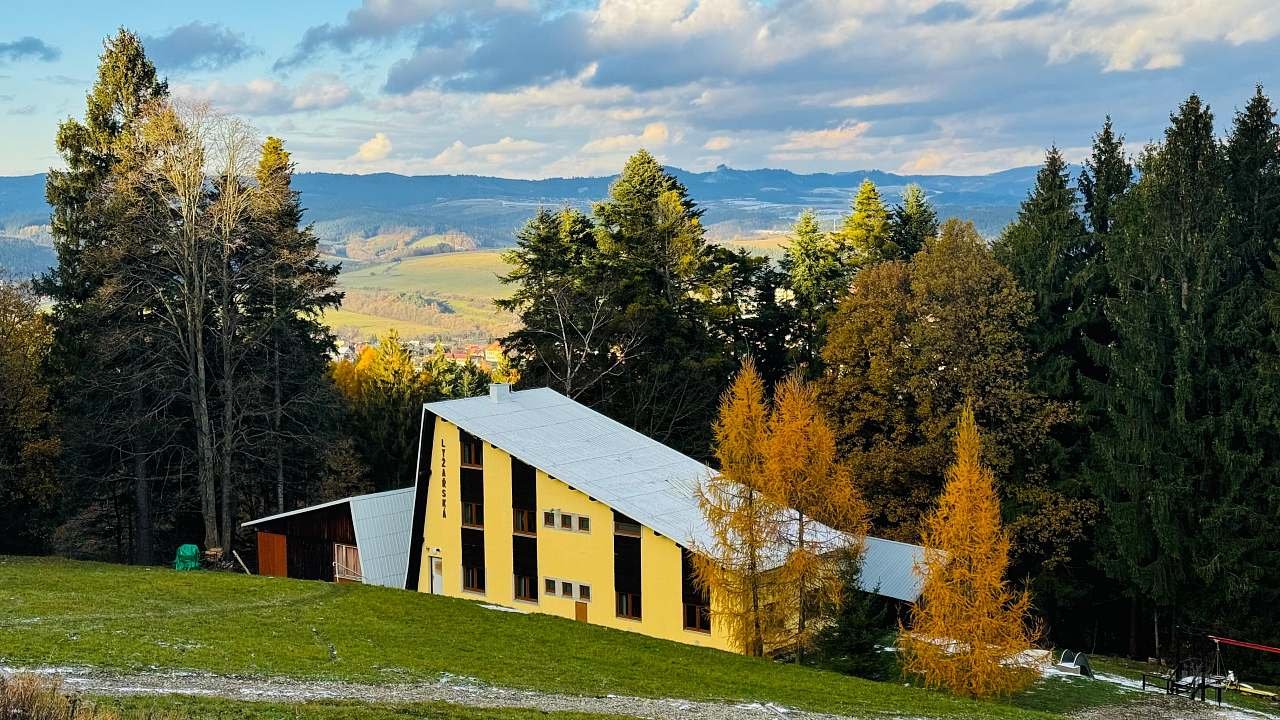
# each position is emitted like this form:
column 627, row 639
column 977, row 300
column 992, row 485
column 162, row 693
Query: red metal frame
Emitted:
column 1243, row 644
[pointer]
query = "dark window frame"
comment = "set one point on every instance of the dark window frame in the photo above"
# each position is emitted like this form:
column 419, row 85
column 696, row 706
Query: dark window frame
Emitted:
column 471, row 450
column 476, row 512
column 469, row 575
column 528, row 583
column 628, row 606
column 530, row 523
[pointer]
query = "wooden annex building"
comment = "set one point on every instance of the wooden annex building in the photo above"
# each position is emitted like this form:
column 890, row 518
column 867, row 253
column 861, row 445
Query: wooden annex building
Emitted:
column 357, row 539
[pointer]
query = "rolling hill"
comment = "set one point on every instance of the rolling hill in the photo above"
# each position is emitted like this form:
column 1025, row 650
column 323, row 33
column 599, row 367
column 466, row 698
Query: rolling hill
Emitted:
column 398, row 237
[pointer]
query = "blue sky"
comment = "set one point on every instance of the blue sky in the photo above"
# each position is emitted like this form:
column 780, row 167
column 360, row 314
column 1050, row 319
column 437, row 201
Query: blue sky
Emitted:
column 523, row 88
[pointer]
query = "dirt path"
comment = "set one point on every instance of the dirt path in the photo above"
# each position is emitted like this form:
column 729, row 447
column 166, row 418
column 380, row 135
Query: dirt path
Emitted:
column 451, row 689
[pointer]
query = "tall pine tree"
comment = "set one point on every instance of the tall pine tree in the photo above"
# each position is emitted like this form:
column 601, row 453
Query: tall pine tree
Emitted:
column 114, row 408
column 1159, row 469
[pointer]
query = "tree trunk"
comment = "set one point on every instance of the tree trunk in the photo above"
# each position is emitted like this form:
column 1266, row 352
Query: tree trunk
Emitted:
column 204, row 441
column 277, row 412
column 1133, row 627
column 144, row 552
column 1155, row 627
column 804, row 598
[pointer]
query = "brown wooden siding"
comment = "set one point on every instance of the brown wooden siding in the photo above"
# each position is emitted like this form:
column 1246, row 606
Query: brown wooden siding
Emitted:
column 310, row 539
column 271, row 554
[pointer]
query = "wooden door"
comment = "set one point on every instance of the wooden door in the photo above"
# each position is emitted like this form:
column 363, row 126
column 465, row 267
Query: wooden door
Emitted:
column 580, row 611
column 272, row 555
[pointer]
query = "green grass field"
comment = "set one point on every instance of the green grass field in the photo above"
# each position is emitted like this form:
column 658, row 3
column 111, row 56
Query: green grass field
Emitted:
column 468, row 281
column 62, row 613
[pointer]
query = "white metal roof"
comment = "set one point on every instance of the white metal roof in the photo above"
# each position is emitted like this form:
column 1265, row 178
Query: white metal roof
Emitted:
column 382, row 524
column 627, row 470
column 888, row 568
column 382, row 521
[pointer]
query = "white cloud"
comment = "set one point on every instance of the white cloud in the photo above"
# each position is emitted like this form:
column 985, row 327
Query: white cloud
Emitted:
column 374, row 149
column 654, row 135
column 716, row 143
column 893, row 96
column 841, row 137
column 262, row 96
column 488, row 158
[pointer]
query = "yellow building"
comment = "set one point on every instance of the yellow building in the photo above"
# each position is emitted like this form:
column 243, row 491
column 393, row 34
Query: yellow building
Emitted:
column 532, row 501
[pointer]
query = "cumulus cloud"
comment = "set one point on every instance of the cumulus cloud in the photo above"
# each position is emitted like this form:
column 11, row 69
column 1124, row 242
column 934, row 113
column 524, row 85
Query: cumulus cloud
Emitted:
column 838, row 138
column 198, row 46
column 374, row 149
column 29, row 48
column 654, row 135
column 485, row 158
column 716, row 143
column 986, row 84
column 263, row 96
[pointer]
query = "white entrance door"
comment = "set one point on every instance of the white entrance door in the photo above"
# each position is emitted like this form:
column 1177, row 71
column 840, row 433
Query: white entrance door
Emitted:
column 437, row 576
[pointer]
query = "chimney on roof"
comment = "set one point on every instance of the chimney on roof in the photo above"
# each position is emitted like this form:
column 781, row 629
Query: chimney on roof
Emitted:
column 499, row 392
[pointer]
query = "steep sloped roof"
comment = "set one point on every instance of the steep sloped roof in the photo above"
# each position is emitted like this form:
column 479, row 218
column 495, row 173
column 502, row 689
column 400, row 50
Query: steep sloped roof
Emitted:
column 382, row 521
column 628, row 471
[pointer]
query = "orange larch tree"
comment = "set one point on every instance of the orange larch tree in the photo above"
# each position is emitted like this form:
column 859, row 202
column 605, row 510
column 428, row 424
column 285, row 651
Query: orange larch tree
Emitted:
column 804, row 474
column 969, row 628
column 744, row 521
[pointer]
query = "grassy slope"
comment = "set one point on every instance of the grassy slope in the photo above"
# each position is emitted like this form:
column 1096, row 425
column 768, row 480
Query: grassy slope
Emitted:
column 55, row 612
column 365, row 325
column 468, row 280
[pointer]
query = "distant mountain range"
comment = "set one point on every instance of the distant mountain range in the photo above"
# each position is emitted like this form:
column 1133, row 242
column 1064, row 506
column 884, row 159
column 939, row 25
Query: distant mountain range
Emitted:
column 381, row 216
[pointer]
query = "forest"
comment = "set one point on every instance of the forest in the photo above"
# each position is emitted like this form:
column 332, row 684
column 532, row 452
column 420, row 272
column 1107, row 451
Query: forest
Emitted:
column 1113, row 356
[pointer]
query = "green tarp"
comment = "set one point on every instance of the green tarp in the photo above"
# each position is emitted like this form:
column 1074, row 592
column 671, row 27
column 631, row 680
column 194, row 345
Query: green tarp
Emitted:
column 188, row 558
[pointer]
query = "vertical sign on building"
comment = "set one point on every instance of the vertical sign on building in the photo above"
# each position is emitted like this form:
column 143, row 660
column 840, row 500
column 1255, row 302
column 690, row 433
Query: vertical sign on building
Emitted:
column 444, row 484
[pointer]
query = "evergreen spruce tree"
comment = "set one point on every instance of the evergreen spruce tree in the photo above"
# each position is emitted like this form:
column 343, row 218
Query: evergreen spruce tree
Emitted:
column 1159, row 467
column 817, row 275
column 1242, row 529
column 1105, row 177
column 114, row 408
column 1043, row 248
column 292, row 287
column 853, row 641
column 864, row 238
column 912, row 223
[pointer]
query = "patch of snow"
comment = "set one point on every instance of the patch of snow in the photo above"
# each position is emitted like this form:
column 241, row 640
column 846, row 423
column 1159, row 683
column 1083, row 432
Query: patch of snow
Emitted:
column 501, row 608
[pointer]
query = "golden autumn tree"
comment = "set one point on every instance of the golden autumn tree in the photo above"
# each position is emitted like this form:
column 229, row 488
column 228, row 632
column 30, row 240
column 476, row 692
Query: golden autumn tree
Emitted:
column 969, row 627
column 744, row 520
column 803, row 473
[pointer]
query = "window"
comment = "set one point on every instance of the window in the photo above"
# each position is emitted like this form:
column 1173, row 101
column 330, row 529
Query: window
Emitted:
column 472, row 451
column 549, row 519
column 566, row 589
column 524, row 522
column 527, row 588
column 584, row 523
column 346, row 562
column 629, row 605
column 566, row 521
column 550, row 586
column 697, row 617
column 696, row 599
column 472, row 514
column 473, row 579
column 584, row 592
column 623, row 525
